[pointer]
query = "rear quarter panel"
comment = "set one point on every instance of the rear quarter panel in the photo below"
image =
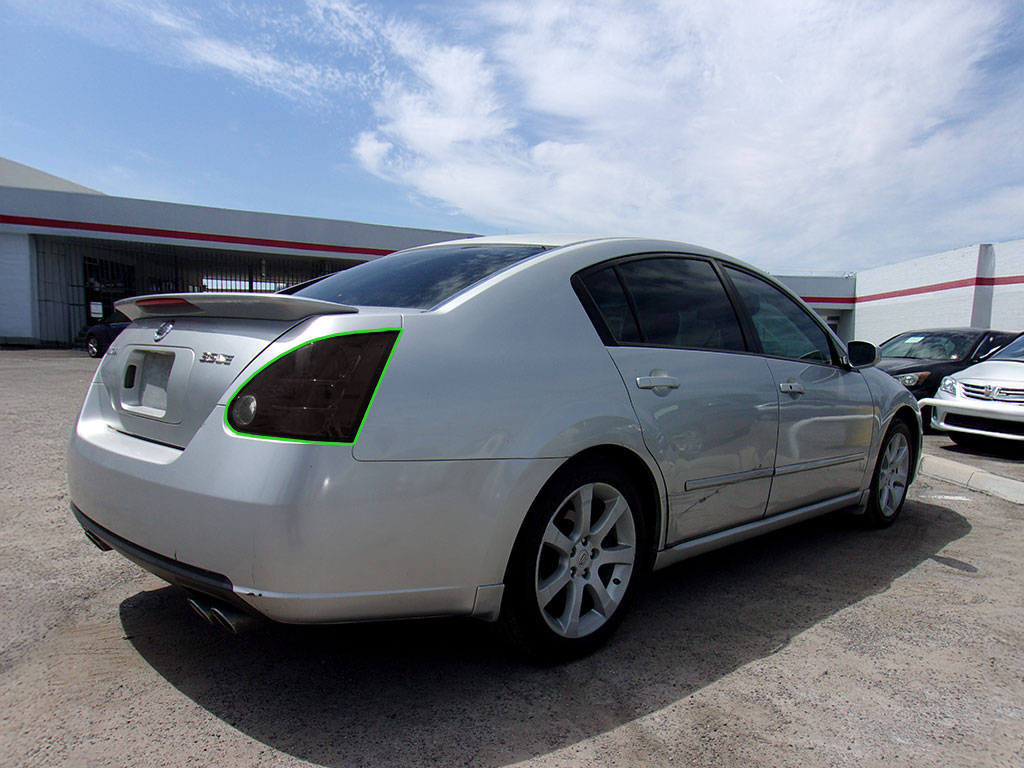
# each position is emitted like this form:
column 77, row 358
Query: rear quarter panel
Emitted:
column 514, row 372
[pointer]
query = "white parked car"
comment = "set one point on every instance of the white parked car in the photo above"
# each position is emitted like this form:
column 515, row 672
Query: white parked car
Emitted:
column 985, row 400
column 516, row 429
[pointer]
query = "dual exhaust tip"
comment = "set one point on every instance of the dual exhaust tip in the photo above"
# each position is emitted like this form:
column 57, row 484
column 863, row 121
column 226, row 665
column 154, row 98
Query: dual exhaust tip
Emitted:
column 219, row 614
column 224, row 616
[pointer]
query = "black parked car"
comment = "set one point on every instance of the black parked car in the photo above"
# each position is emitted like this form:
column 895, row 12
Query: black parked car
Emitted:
column 102, row 335
column 919, row 359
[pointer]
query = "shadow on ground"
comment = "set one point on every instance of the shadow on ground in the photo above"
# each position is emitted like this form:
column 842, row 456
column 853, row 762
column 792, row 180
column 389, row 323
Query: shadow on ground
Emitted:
column 445, row 692
column 992, row 448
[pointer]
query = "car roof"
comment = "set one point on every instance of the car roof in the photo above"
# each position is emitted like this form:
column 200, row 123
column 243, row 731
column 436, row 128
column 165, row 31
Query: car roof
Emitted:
column 553, row 241
column 547, row 239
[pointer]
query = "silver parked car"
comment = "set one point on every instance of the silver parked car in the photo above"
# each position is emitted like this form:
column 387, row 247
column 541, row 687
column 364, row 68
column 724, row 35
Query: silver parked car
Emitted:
column 983, row 401
column 516, row 429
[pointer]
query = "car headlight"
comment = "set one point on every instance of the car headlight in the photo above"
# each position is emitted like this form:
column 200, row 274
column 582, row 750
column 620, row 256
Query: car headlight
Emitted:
column 911, row 379
column 948, row 385
column 318, row 392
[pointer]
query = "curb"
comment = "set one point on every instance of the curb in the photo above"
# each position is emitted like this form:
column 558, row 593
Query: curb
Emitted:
column 975, row 479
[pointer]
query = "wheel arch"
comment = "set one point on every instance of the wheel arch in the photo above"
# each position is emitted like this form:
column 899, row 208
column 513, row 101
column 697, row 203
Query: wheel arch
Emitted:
column 907, row 415
column 519, row 617
column 641, row 471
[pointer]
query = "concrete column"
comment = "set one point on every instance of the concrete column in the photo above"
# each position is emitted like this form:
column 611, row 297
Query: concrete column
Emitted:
column 19, row 310
column 981, row 310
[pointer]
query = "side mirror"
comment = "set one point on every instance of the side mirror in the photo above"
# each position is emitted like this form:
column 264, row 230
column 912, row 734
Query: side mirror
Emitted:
column 862, row 354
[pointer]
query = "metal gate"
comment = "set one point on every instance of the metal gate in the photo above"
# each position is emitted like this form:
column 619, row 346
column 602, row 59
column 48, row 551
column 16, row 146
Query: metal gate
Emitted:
column 77, row 276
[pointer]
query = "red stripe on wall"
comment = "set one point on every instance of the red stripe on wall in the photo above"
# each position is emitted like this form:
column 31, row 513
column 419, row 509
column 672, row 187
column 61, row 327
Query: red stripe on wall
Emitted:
column 1008, row 280
column 830, row 299
column 88, row 226
column 967, row 282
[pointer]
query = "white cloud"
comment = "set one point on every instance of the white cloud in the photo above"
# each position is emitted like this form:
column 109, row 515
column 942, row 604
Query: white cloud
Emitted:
column 287, row 77
column 179, row 35
column 783, row 131
column 792, row 133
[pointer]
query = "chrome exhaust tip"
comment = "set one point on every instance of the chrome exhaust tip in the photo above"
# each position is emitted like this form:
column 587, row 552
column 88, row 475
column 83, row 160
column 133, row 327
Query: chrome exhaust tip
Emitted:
column 234, row 621
column 203, row 609
column 224, row 616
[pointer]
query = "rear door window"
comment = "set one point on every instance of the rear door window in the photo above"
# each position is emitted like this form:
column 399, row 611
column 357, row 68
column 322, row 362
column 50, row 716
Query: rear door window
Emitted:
column 665, row 301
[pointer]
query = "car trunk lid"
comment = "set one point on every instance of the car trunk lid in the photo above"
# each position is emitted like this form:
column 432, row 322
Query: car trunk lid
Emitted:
column 166, row 372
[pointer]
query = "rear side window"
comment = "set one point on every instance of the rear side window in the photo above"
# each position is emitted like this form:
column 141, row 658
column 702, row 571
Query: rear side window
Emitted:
column 784, row 328
column 418, row 279
column 666, row 302
column 606, row 291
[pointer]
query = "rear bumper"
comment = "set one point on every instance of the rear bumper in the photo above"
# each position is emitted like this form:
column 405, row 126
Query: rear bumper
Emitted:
column 288, row 607
column 180, row 574
column 303, row 533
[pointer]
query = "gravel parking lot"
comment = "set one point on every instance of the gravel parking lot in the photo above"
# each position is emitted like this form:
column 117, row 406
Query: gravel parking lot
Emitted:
column 823, row 644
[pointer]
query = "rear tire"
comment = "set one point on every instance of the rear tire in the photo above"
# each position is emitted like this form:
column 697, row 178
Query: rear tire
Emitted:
column 576, row 564
column 891, row 477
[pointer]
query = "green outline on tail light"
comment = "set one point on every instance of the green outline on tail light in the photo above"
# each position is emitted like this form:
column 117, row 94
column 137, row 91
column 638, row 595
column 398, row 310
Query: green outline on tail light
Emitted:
column 369, row 405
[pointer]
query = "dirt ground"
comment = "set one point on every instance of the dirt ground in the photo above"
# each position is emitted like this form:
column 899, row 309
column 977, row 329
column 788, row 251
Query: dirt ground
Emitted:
column 821, row 645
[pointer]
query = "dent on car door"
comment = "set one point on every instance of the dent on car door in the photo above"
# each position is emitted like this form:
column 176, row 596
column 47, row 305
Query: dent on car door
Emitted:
column 708, row 410
column 826, row 415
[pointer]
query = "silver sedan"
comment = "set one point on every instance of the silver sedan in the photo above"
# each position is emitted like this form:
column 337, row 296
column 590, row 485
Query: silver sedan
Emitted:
column 516, row 429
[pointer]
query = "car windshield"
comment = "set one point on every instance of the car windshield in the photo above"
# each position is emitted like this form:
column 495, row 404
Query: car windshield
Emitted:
column 420, row 278
column 930, row 345
column 1012, row 351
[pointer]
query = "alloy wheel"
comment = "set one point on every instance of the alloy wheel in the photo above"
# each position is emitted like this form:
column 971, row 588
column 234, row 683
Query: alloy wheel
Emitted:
column 892, row 474
column 586, row 559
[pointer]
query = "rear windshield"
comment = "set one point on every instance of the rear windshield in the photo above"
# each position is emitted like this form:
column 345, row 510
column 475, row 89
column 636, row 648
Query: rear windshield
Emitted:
column 419, row 279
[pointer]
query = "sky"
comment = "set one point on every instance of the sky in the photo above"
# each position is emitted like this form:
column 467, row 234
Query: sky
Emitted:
column 798, row 135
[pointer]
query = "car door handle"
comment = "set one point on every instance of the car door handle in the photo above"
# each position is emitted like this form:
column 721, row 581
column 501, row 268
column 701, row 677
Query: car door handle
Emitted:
column 792, row 387
column 657, row 382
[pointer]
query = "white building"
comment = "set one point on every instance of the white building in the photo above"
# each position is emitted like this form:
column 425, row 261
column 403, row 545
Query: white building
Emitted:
column 979, row 285
column 68, row 252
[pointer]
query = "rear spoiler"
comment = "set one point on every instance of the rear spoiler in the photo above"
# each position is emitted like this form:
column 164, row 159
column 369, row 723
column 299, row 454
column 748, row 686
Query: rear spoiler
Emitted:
column 254, row 306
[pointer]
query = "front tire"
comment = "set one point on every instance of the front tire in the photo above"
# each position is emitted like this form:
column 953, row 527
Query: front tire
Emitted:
column 576, row 564
column 92, row 346
column 891, row 477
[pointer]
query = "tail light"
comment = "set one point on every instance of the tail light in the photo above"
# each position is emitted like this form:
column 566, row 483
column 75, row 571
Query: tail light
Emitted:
column 318, row 392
